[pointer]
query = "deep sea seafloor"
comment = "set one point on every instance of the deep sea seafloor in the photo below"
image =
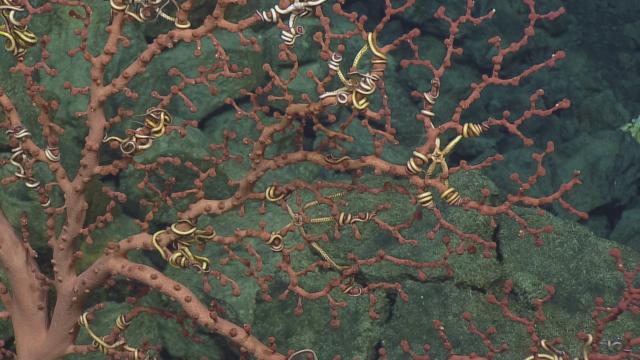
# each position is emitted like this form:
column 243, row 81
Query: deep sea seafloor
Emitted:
column 599, row 135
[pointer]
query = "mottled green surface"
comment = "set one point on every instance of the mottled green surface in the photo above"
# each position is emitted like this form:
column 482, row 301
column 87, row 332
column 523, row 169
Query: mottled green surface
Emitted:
column 573, row 259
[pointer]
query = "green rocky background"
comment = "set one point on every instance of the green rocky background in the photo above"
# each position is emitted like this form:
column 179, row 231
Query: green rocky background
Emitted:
column 599, row 76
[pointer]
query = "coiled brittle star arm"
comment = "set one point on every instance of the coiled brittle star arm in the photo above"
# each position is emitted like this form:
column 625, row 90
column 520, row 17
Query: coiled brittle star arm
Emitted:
column 190, row 303
column 295, row 10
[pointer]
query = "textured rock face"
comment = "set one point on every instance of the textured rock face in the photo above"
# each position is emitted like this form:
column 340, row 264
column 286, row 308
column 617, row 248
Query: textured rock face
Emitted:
column 572, row 258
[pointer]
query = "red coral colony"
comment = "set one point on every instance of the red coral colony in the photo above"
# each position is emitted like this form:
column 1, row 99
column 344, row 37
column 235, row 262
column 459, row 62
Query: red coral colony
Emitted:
column 180, row 177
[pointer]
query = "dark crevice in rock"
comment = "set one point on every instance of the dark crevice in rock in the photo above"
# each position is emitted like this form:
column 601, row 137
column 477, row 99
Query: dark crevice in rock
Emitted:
column 376, row 349
column 612, row 212
column 494, row 237
column 219, row 111
column 392, row 298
